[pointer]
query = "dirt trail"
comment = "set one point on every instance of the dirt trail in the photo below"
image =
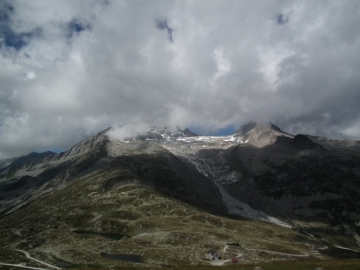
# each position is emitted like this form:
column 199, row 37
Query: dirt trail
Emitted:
column 23, row 266
column 31, row 258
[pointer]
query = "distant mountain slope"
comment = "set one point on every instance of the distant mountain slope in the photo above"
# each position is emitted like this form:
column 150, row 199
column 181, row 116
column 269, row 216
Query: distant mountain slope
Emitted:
column 347, row 144
column 15, row 164
column 171, row 190
column 154, row 164
column 302, row 177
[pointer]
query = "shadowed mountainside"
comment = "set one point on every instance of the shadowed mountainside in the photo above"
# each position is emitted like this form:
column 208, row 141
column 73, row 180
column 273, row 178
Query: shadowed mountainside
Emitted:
column 171, row 196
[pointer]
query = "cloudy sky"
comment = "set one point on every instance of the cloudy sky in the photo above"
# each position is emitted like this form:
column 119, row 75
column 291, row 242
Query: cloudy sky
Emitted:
column 69, row 69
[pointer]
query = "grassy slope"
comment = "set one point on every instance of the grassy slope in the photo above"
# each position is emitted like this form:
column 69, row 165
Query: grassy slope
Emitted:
column 162, row 229
column 165, row 231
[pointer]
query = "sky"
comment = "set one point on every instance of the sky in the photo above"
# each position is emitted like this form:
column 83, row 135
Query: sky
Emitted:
column 70, row 69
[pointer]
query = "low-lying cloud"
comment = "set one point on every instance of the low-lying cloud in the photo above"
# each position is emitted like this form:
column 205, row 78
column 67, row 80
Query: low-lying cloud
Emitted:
column 70, row 69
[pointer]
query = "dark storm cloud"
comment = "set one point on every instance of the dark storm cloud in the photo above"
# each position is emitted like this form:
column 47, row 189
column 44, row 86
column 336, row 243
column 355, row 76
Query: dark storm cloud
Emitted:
column 94, row 65
column 281, row 19
column 163, row 25
column 75, row 26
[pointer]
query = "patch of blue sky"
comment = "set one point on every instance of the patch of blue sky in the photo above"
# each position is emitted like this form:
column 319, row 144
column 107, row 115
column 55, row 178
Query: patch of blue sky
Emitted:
column 224, row 131
column 220, row 132
column 76, row 26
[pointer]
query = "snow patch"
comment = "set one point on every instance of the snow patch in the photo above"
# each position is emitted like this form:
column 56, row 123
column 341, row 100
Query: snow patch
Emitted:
column 345, row 248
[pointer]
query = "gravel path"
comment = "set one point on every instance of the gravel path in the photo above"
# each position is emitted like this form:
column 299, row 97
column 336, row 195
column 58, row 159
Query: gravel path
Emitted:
column 36, row 260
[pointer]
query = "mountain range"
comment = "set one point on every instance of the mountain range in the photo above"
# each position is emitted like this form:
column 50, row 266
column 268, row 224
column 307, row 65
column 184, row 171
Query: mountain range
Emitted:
column 166, row 197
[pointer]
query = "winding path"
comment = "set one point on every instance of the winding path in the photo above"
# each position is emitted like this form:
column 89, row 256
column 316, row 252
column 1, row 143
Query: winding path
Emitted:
column 38, row 261
column 23, row 266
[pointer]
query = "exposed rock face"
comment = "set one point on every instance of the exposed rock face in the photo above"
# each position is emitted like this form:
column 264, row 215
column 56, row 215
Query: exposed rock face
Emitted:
column 348, row 144
column 84, row 146
column 26, row 162
column 189, row 133
column 266, row 126
column 299, row 176
column 301, row 142
column 260, row 134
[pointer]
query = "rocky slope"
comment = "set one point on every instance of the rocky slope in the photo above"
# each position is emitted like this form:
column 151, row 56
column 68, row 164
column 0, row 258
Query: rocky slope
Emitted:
column 260, row 134
column 347, row 144
column 267, row 174
column 259, row 189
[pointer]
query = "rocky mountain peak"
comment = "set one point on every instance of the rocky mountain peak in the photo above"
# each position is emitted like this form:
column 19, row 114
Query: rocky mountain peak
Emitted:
column 301, row 142
column 188, row 133
column 260, row 126
column 260, row 134
column 85, row 145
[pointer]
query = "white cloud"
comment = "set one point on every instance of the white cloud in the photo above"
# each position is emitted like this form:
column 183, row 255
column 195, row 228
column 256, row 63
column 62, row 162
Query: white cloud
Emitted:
column 88, row 65
column 30, row 75
column 223, row 64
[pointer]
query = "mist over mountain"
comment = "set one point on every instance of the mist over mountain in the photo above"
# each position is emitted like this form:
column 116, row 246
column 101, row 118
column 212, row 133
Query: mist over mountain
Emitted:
column 260, row 194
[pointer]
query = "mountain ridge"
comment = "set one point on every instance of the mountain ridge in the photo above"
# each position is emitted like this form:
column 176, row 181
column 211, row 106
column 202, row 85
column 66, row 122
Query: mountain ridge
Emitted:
column 295, row 185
